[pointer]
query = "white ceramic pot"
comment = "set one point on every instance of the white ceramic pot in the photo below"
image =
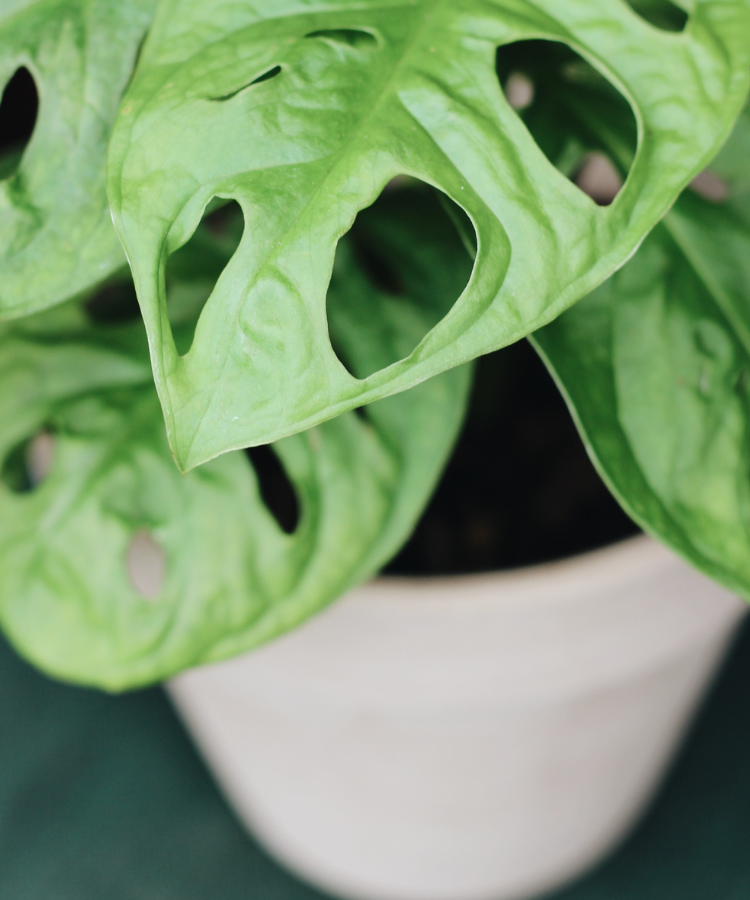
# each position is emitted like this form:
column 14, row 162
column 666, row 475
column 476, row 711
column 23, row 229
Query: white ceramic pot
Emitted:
column 465, row 738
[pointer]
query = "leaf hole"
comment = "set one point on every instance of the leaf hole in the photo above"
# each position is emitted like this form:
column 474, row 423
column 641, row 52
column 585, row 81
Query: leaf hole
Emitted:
column 599, row 178
column 519, row 90
column 115, row 303
column 266, row 76
column 146, row 564
column 27, row 466
column 661, row 14
column 579, row 120
column 382, row 299
column 276, row 489
column 710, row 186
column 352, row 37
column 193, row 271
column 19, row 110
column 377, row 268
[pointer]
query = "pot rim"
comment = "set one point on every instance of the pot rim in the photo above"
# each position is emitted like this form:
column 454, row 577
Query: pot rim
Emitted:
column 633, row 559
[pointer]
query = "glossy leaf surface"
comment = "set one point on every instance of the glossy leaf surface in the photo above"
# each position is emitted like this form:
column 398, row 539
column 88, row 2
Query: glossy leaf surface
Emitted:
column 56, row 234
column 303, row 111
column 656, row 365
column 232, row 577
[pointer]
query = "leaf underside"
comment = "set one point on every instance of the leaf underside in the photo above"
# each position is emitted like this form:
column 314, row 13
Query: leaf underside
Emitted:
column 362, row 93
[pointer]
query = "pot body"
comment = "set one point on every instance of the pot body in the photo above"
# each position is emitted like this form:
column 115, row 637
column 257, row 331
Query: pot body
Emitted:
column 465, row 738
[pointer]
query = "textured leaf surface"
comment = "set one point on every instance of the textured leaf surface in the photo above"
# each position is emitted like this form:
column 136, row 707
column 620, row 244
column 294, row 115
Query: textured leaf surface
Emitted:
column 233, row 577
column 656, row 365
column 56, row 234
column 303, row 111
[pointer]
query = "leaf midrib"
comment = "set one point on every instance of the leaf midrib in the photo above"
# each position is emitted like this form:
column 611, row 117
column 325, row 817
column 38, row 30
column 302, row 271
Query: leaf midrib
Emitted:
column 353, row 138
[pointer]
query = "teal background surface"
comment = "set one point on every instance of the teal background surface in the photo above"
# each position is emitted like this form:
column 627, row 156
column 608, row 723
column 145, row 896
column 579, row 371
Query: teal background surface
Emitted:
column 104, row 798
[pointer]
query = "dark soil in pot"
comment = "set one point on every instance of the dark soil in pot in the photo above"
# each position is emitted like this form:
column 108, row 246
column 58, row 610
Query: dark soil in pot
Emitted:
column 520, row 488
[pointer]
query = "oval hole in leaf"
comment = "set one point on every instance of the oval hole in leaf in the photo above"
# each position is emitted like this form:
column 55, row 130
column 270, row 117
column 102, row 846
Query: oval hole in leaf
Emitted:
column 519, row 90
column 19, row 109
column 710, row 186
column 29, row 463
column 352, row 37
column 115, row 303
column 146, row 564
column 266, row 76
column 573, row 113
column 193, row 270
column 661, row 14
column 276, row 489
column 599, row 178
column 397, row 273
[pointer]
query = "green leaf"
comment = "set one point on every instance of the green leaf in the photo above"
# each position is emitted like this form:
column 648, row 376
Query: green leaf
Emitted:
column 303, row 111
column 233, row 577
column 56, row 234
column 656, row 367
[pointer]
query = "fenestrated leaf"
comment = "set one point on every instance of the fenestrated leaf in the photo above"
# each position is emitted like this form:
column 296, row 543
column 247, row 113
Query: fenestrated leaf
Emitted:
column 233, row 578
column 56, row 234
column 656, row 366
column 303, row 111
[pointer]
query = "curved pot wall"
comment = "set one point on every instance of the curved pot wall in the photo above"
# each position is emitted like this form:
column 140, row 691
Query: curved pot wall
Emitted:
column 465, row 738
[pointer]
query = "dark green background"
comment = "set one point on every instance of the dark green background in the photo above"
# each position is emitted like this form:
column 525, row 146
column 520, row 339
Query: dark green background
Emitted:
column 103, row 798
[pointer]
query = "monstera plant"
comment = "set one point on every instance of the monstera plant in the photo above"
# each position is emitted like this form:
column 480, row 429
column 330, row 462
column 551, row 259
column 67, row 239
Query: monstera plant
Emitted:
column 215, row 157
